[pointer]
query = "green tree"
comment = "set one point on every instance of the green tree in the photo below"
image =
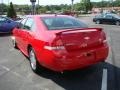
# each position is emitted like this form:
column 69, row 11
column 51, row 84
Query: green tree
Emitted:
column 11, row 11
column 86, row 4
column 78, row 6
column 42, row 9
column 3, row 8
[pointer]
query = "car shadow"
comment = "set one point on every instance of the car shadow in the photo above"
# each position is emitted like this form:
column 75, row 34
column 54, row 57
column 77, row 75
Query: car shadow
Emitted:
column 5, row 34
column 85, row 79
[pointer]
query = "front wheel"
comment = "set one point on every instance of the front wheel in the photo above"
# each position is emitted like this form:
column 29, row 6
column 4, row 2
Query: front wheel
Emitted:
column 98, row 22
column 117, row 23
column 33, row 61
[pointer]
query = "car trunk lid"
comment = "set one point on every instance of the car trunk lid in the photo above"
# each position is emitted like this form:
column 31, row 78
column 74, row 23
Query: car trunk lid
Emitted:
column 81, row 38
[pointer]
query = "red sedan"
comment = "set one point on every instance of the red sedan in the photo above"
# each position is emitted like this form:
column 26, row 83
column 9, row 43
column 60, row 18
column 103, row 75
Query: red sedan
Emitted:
column 59, row 42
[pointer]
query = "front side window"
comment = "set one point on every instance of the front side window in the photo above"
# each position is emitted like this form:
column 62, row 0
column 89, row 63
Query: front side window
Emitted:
column 54, row 23
column 109, row 16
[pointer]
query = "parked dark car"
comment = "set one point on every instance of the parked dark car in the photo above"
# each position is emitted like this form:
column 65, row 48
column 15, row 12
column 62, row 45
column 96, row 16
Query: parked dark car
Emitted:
column 7, row 25
column 107, row 18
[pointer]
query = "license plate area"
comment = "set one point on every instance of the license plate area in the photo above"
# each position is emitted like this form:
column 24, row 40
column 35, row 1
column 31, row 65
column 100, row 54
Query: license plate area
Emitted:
column 89, row 55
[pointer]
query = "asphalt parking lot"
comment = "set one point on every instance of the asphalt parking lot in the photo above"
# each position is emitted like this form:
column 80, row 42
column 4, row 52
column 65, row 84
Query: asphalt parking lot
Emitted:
column 16, row 74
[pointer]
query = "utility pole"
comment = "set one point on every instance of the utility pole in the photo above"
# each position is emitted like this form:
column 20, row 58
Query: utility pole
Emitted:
column 8, row 2
column 102, row 6
column 111, row 1
column 72, row 7
column 37, row 8
column 38, row 2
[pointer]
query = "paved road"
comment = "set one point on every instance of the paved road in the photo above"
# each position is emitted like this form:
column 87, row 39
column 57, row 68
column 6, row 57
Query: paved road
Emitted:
column 16, row 74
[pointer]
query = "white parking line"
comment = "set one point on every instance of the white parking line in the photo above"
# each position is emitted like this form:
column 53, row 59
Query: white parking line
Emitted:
column 104, row 80
column 7, row 69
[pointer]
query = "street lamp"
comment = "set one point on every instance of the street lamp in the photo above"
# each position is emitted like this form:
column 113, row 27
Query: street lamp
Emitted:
column 33, row 6
column 102, row 6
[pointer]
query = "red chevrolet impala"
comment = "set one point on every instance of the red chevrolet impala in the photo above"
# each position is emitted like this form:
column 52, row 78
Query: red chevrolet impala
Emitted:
column 59, row 42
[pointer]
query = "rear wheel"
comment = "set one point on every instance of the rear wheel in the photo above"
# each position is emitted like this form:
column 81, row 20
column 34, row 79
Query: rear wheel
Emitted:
column 33, row 61
column 14, row 44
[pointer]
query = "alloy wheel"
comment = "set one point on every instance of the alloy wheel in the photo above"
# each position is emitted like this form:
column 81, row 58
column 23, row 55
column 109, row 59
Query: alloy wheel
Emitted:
column 33, row 61
column 98, row 22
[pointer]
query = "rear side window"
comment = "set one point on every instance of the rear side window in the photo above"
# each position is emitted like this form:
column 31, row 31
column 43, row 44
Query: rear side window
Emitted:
column 54, row 23
column 22, row 23
column 109, row 16
column 28, row 24
column 99, row 16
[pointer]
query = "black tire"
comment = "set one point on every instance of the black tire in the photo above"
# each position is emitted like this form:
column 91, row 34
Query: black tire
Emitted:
column 33, row 61
column 14, row 44
column 117, row 23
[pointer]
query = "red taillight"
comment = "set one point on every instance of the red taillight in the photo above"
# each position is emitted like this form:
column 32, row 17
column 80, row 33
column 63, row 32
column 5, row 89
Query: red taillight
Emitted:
column 56, row 45
column 54, row 48
column 104, row 37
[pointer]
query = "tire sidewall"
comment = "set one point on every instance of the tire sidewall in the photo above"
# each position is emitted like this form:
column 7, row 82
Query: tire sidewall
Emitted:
column 37, row 66
column 14, row 44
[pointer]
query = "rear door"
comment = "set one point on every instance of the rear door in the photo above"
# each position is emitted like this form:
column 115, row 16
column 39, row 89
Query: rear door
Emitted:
column 109, row 19
column 27, row 33
column 19, row 32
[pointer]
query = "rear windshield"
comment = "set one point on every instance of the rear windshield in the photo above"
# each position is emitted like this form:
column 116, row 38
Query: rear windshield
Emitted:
column 55, row 23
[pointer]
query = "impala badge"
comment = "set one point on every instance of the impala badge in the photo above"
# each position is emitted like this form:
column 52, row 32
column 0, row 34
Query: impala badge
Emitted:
column 83, row 45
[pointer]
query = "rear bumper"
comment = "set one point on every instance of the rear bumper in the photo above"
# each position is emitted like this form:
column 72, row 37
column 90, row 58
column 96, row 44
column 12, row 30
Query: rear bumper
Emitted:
column 74, row 61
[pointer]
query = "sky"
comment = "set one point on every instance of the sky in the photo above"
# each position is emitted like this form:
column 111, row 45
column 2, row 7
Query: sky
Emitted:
column 44, row 2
